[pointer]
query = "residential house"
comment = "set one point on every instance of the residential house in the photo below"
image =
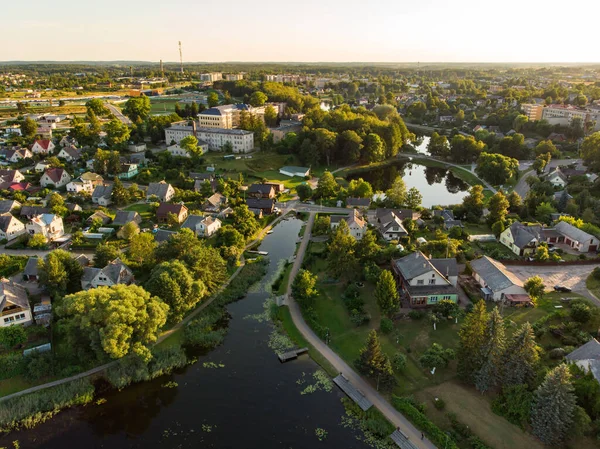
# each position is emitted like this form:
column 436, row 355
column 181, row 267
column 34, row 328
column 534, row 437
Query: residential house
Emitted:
column 136, row 147
column 575, row 238
column 202, row 226
column 98, row 216
column 279, row 187
column 448, row 216
column 102, row 195
column 161, row 190
column 200, row 183
column 522, row 239
column 362, row 203
column 70, row 154
column 31, row 273
column 67, row 141
column 356, row 224
column 55, row 177
column 93, row 178
column 43, row 146
column 557, row 178
column 292, row 171
column 214, row 203
column 49, row 225
column 11, row 176
column 261, row 191
column 389, row 223
column 163, row 211
column 128, row 171
column 9, row 206
column 10, row 227
column 14, row 304
column 41, row 167
column 496, row 280
column 162, row 235
column 16, row 154
column 29, row 212
column 587, row 357
column 116, row 272
column 425, row 282
column 85, row 183
column 264, row 205
column 123, row 217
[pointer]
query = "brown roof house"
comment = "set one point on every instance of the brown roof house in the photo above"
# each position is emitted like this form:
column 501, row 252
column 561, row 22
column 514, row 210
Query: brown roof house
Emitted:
column 14, row 304
column 214, row 203
column 163, row 211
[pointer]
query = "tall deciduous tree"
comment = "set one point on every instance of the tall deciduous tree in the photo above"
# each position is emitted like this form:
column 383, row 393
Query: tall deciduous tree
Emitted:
column 28, row 127
column 303, row 287
column 341, row 259
column 327, row 186
column 534, row 286
column 498, row 207
column 472, row 338
column 386, row 293
column 438, row 145
column 396, row 194
column 137, row 108
column 473, row 203
column 258, row 98
column 521, row 358
column 213, row 99
column 141, row 250
column 120, row 195
column 590, row 151
column 113, row 321
column 492, row 351
column 117, row 133
column 244, row 220
column 59, row 273
column 104, row 254
column 496, row 168
column 359, row 188
column 173, row 283
column 413, row 198
column 374, row 148
column 553, row 407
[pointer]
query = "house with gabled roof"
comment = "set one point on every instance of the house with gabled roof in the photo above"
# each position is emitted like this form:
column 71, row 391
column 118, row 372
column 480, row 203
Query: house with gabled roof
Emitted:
column 496, row 281
column 42, row 146
column 116, row 272
column 124, row 216
column 10, row 227
column 557, row 178
column 49, row 225
column 14, row 304
column 587, row 357
column 202, row 226
column 261, row 191
column 356, row 224
column 576, row 238
column 389, row 223
column 161, row 190
column 214, row 203
column 102, row 195
column 362, row 203
column 522, row 239
column 8, row 206
column 69, row 154
column 423, row 281
column 11, row 176
column 55, row 177
column 164, row 209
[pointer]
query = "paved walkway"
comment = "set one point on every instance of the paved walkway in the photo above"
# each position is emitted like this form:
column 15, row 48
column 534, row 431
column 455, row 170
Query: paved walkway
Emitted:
column 522, row 187
column 395, row 417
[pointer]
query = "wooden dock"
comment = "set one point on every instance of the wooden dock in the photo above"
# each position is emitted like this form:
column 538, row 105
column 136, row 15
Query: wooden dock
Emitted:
column 291, row 355
column 353, row 393
column 402, row 440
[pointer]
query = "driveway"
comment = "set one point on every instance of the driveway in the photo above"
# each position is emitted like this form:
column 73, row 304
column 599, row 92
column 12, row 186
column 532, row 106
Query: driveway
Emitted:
column 572, row 276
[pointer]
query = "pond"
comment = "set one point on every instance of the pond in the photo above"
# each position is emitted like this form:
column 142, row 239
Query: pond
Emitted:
column 252, row 401
column 421, row 144
column 438, row 186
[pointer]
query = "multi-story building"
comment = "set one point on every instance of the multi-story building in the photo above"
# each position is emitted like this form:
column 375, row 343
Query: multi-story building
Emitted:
column 234, row 77
column 241, row 141
column 211, row 77
column 559, row 114
column 533, row 111
column 228, row 116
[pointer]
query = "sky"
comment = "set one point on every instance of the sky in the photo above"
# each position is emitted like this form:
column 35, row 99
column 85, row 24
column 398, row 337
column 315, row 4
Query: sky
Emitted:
column 303, row 31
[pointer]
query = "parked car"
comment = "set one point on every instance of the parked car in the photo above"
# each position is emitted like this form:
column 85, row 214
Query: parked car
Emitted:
column 562, row 288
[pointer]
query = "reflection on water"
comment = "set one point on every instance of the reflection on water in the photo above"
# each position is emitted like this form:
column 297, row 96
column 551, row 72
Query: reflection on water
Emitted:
column 437, row 185
column 250, row 401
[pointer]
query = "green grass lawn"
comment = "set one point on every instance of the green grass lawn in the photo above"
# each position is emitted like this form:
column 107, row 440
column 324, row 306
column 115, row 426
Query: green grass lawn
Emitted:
column 145, row 210
column 162, row 106
column 593, row 285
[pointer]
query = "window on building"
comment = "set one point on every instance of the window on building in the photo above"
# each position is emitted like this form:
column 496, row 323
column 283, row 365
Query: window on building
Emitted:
column 420, row 281
column 431, row 281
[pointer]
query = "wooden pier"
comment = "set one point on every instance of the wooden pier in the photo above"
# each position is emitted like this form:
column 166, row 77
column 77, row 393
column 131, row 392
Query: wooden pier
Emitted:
column 402, row 440
column 353, row 393
column 291, row 355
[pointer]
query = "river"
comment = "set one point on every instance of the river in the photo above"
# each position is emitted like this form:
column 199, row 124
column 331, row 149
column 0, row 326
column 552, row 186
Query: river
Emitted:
column 438, row 186
column 252, row 402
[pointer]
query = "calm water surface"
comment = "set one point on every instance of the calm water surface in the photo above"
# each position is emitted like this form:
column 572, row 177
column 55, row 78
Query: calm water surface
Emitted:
column 253, row 402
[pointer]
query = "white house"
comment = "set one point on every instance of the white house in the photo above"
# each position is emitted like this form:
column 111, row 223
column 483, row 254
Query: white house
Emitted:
column 136, row 147
column 10, row 227
column 55, row 177
column 43, row 146
column 163, row 191
column 587, row 357
column 557, row 179
column 49, row 225
column 116, row 272
column 356, row 224
column 69, row 154
column 202, row 226
column 102, row 195
column 522, row 239
column 79, row 185
column 495, row 280
column 290, row 170
column 41, row 166
column 14, row 304
column 576, row 238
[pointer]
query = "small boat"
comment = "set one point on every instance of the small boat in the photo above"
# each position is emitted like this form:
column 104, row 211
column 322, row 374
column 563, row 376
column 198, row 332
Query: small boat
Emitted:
column 270, row 231
column 261, row 253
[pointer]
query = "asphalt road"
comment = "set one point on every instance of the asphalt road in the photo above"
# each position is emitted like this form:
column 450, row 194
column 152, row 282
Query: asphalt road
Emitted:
column 117, row 113
column 393, row 415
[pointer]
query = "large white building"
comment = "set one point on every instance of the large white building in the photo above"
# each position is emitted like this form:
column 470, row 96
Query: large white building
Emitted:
column 228, row 116
column 559, row 114
column 212, row 77
column 241, row 141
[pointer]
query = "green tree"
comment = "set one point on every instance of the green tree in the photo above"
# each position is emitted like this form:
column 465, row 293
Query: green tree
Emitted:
column 120, row 195
column 37, row 241
column 521, row 358
column 141, row 251
column 581, row 312
column 342, row 261
column 97, row 105
column 496, row 168
column 498, row 207
column 190, row 143
column 113, row 321
column 553, row 407
column 436, row 357
column 327, row 186
column 244, row 220
column 304, row 191
column 213, row 99
column 137, row 108
column 129, row 230
column 104, row 254
column 546, row 146
column 325, row 141
column 465, row 149
column 472, row 336
column 28, row 128
column 351, row 145
column 258, row 98
column 514, row 201
column 373, row 149
column 534, row 286
column 304, row 287
column 173, row 283
column 543, row 212
column 590, row 151
column 497, row 228
column 519, row 122
column 270, row 116
column 386, row 293
column 359, row 188
column 446, row 308
column 540, row 163
column 373, row 362
column 367, row 247
column 413, row 198
column 438, row 146
column 229, row 236
column 11, row 336
column 491, row 353
column 59, row 273
column 473, row 203
column 396, row 194
column 56, row 203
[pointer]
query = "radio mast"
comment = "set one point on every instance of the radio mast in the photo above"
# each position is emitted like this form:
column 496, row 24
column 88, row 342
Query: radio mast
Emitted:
column 180, row 58
column 162, row 70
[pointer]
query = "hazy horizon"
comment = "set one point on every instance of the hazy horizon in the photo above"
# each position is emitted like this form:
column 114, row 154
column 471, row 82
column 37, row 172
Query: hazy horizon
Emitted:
column 335, row 31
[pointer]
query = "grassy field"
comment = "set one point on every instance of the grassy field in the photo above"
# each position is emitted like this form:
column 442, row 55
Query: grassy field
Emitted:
column 145, row 210
column 158, row 106
column 593, row 285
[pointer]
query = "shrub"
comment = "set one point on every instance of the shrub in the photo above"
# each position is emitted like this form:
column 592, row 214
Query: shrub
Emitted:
column 416, row 314
column 459, row 428
column 581, row 312
column 358, row 318
column 439, row 404
column 398, row 362
column 514, row 404
column 39, row 365
column 386, row 325
column 556, row 353
column 11, row 365
column 596, row 273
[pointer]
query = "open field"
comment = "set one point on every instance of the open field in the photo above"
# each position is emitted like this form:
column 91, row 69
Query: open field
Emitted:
column 158, row 106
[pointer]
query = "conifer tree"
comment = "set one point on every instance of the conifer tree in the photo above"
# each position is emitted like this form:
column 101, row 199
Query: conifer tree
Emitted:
column 491, row 354
column 386, row 293
column 472, row 338
column 521, row 358
column 553, row 407
column 374, row 363
column 342, row 259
